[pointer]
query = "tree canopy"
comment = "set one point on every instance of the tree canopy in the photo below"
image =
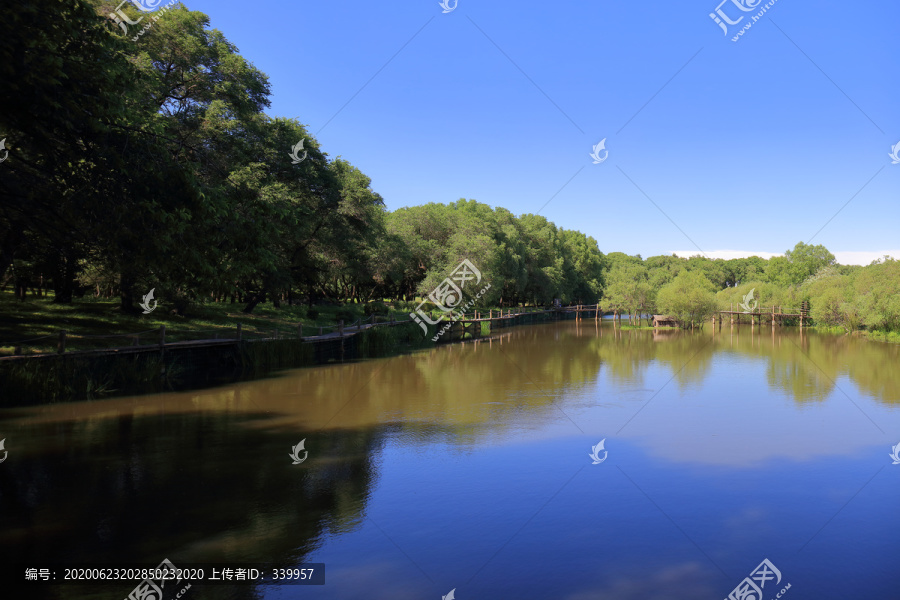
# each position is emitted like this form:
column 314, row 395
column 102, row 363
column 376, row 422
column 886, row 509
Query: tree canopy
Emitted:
column 147, row 161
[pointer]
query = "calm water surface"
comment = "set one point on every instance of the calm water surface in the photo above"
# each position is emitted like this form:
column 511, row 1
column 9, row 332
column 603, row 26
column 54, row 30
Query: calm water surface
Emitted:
column 467, row 467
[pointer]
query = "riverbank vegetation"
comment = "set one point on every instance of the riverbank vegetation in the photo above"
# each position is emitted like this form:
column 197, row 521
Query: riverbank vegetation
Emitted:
column 151, row 164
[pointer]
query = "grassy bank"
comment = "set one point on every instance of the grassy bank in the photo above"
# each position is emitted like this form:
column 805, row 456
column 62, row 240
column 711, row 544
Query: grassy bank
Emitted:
column 99, row 323
column 892, row 337
column 39, row 317
column 65, row 377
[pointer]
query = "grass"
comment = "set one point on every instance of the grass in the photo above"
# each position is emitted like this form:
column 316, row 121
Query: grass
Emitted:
column 38, row 317
column 892, row 337
column 23, row 321
column 835, row 329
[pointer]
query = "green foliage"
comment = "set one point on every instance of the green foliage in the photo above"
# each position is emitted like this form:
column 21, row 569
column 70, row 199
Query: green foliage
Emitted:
column 690, row 298
column 376, row 308
column 831, row 296
column 877, row 289
column 628, row 290
column 798, row 265
column 152, row 164
column 346, row 315
column 525, row 259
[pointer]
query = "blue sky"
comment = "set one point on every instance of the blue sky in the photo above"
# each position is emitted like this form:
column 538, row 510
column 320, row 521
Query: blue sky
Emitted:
column 714, row 145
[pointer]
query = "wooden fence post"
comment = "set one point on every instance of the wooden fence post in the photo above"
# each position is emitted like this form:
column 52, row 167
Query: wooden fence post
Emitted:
column 61, row 343
column 341, row 328
column 239, row 332
column 300, row 332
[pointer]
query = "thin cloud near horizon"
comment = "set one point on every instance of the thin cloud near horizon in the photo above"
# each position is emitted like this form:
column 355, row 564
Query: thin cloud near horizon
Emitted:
column 843, row 258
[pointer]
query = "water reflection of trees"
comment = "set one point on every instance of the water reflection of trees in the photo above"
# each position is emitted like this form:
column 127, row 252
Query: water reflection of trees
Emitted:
column 193, row 488
column 205, row 476
column 537, row 365
column 809, row 365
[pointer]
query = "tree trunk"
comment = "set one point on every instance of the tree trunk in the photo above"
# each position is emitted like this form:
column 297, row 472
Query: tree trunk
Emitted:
column 8, row 248
column 126, row 294
column 64, row 277
column 254, row 300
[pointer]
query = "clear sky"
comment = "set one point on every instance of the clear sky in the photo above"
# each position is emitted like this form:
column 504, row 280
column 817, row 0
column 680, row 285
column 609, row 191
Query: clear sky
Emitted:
column 714, row 145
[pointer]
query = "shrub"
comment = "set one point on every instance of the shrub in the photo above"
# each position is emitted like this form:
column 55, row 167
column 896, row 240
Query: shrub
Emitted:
column 377, row 308
column 689, row 298
column 345, row 314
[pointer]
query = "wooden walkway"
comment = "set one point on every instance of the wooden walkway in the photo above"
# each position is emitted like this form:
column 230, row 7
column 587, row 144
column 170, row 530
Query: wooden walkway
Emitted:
column 773, row 313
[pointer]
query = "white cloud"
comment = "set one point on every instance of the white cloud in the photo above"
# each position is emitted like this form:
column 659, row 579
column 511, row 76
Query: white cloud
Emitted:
column 842, row 257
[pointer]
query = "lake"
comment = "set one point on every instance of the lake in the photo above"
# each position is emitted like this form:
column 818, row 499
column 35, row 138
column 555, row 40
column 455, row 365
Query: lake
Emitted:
column 475, row 471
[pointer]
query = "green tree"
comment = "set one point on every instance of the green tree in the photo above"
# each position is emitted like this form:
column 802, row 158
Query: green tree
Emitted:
column 663, row 269
column 629, row 290
column 690, row 298
column 876, row 294
column 797, row 265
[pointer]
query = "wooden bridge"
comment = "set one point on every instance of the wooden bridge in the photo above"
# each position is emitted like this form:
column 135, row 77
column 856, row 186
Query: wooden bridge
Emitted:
column 772, row 313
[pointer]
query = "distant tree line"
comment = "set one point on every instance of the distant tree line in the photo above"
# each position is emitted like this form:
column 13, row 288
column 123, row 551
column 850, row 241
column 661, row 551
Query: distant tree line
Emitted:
column 151, row 164
column 692, row 289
